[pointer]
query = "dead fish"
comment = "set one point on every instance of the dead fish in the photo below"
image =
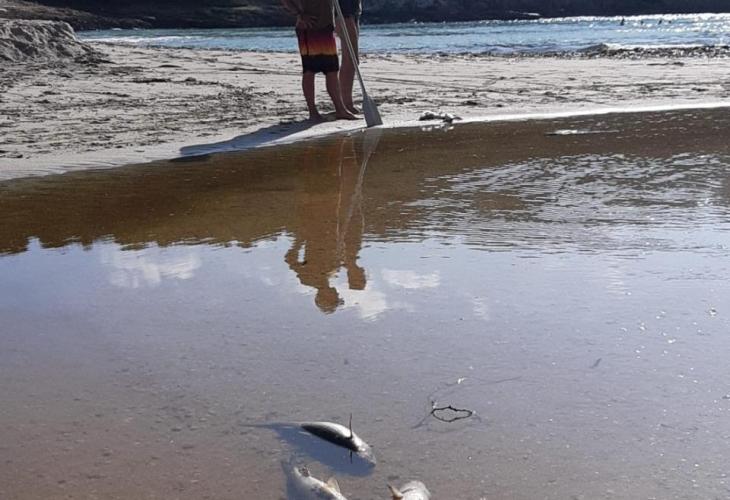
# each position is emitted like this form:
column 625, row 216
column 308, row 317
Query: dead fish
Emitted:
column 444, row 117
column 308, row 487
column 341, row 436
column 415, row 490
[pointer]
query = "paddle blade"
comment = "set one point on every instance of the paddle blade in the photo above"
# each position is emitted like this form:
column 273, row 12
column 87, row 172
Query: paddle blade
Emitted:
column 370, row 110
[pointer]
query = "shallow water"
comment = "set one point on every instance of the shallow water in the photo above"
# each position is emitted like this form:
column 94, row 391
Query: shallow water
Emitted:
column 499, row 37
column 569, row 287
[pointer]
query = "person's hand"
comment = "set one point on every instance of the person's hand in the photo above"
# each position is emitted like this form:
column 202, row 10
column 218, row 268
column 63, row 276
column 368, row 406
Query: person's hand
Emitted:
column 305, row 21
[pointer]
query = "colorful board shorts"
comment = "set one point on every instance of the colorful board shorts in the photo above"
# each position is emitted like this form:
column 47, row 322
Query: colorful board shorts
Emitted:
column 351, row 8
column 318, row 49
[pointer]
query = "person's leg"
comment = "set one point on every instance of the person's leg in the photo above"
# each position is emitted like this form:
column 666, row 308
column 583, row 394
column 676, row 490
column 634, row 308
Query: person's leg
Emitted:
column 333, row 88
column 308, row 72
column 347, row 71
column 308, row 89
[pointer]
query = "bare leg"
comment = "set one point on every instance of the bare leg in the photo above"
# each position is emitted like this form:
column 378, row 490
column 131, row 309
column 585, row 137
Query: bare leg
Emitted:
column 347, row 71
column 333, row 88
column 308, row 89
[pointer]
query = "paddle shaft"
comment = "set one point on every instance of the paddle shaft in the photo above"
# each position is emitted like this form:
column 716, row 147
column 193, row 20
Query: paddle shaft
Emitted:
column 372, row 116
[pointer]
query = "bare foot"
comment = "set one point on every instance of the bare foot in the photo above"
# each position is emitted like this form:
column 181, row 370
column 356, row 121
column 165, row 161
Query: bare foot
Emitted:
column 353, row 109
column 346, row 115
column 316, row 118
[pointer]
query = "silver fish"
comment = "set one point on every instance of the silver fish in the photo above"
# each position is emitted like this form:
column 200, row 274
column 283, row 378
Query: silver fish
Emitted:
column 307, row 487
column 415, row 490
column 341, row 436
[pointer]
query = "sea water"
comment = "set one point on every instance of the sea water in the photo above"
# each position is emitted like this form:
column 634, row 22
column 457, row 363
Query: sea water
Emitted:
column 498, row 37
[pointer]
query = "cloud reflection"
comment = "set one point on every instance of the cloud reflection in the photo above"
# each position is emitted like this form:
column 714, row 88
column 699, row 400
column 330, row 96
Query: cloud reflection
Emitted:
column 148, row 267
column 481, row 308
column 411, row 280
column 369, row 303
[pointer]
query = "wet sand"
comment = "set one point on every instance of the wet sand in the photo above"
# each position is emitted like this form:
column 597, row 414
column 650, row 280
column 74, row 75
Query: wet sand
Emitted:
column 571, row 274
column 147, row 103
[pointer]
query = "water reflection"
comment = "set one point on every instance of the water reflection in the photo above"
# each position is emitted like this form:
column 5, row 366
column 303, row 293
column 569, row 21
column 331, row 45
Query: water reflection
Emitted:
column 629, row 186
column 329, row 225
column 148, row 267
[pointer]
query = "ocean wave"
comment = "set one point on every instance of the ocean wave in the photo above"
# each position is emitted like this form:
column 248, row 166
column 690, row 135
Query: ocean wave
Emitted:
column 690, row 18
column 601, row 50
column 686, row 35
column 686, row 50
column 139, row 40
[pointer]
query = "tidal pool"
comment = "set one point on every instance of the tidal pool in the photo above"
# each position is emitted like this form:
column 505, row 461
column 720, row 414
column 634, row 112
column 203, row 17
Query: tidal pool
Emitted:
column 566, row 280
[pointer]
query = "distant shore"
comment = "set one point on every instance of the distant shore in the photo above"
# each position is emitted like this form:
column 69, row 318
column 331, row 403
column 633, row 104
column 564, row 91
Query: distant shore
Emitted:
column 86, row 14
column 140, row 104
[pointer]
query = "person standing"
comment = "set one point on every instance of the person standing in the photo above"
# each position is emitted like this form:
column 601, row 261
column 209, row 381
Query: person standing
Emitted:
column 351, row 10
column 315, row 28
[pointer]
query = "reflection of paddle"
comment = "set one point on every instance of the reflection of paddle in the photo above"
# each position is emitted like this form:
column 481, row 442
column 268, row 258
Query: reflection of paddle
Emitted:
column 369, row 108
column 369, row 145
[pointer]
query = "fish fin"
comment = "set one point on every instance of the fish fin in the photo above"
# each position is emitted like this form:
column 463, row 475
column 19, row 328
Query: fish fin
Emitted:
column 332, row 483
column 351, row 433
column 397, row 495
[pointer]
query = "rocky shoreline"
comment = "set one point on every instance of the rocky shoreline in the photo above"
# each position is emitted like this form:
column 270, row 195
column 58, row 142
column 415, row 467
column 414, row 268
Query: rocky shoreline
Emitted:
column 90, row 14
column 79, row 20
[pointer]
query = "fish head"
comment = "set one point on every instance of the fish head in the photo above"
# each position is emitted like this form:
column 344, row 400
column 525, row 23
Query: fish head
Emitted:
column 365, row 452
column 415, row 490
column 295, row 473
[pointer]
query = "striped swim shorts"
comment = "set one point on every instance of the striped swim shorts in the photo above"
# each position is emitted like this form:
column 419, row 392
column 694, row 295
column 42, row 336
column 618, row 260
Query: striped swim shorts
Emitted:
column 318, row 49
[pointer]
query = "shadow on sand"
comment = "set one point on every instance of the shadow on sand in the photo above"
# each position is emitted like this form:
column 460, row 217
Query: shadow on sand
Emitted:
column 245, row 141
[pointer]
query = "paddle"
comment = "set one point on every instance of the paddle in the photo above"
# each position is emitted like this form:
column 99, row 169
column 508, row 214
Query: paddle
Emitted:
column 369, row 108
column 369, row 145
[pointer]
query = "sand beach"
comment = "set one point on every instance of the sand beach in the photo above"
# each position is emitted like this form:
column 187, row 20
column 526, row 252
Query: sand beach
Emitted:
column 134, row 104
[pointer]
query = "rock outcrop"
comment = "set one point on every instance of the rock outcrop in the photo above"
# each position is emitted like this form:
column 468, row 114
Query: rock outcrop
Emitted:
column 248, row 13
column 80, row 20
column 22, row 41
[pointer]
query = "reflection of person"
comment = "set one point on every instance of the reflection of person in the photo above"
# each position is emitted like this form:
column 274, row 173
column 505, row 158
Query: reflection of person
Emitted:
column 318, row 48
column 351, row 10
column 329, row 234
